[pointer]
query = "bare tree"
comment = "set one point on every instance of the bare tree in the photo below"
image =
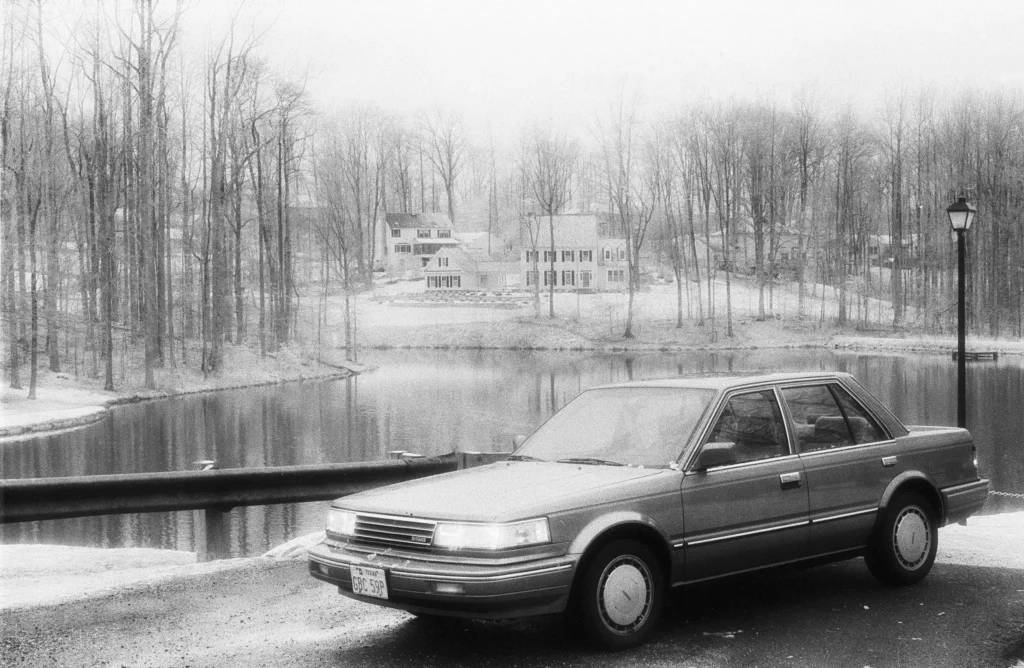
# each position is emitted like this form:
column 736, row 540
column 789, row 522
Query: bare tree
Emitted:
column 553, row 159
column 808, row 150
column 444, row 144
column 632, row 176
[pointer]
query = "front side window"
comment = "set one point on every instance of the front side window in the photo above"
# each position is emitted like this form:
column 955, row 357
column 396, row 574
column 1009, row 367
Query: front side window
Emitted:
column 423, row 234
column 568, row 256
column 395, row 233
column 586, row 256
column 753, row 422
column 403, row 248
column 444, row 234
column 625, row 425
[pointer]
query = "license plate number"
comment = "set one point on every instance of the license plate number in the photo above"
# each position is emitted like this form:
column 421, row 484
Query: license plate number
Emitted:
column 369, row 582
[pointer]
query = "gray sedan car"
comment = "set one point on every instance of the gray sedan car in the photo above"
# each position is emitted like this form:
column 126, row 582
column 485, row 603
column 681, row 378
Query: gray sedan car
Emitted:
column 633, row 489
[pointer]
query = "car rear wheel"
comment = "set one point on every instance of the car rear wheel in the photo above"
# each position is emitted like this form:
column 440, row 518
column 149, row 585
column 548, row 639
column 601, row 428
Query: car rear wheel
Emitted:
column 904, row 549
column 622, row 595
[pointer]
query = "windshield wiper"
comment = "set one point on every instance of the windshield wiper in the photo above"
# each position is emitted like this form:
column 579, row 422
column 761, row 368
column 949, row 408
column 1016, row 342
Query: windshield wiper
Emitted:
column 523, row 458
column 589, row 460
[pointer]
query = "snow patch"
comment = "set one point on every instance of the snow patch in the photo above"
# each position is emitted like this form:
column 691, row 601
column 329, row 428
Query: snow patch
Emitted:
column 34, row 575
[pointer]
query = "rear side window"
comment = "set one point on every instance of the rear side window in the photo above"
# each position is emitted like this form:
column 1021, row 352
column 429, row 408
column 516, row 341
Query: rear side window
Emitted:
column 826, row 416
column 864, row 427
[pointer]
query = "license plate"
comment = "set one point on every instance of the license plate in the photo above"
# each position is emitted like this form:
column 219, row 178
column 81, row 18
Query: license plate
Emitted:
column 369, row 582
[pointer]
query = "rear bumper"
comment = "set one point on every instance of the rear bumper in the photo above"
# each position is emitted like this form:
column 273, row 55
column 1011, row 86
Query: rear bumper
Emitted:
column 962, row 501
column 451, row 589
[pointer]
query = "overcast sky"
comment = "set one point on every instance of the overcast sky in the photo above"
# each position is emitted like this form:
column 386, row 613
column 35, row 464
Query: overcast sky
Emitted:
column 506, row 63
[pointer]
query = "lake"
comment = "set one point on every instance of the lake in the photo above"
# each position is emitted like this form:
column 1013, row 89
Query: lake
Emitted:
column 434, row 402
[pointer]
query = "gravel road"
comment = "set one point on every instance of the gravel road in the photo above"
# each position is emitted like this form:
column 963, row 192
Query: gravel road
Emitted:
column 271, row 613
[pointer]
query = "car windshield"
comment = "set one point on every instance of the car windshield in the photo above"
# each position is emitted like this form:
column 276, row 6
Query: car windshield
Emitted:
column 647, row 426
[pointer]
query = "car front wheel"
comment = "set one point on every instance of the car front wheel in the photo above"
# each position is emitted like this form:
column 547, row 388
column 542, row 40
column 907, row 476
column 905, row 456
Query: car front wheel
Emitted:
column 904, row 549
column 622, row 595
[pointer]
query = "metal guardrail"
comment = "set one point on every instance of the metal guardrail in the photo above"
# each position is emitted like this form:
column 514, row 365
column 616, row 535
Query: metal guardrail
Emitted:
column 214, row 491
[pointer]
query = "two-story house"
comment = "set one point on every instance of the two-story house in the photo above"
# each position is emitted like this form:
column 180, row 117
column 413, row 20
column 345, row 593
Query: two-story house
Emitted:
column 586, row 256
column 411, row 239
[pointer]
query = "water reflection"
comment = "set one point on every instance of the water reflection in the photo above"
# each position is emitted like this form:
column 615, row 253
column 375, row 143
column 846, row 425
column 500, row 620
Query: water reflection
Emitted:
column 438, row 401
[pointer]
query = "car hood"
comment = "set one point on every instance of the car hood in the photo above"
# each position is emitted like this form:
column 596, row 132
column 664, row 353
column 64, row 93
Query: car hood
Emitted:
column 503, row 491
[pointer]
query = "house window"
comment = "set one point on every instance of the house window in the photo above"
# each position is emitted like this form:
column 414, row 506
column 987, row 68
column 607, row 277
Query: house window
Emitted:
column 549, row 278
column 586, row 256
column 548, row 256
column 616, row 275
column 403, row 248
column 431, row 281
column 456, row 281
column 533, row 256
column 568, row 256
column 444, row 234
column 785, row 256
column 396, row 233
column 568, row 278
column 584, row 279
column 442, row 262
column 531, row 278
column 622, row 253
column 607, row 253
column 423, row 234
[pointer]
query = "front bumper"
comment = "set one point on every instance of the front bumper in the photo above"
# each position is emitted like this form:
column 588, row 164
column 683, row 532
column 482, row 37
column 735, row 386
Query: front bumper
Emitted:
column 427, row 584
column 962, row 501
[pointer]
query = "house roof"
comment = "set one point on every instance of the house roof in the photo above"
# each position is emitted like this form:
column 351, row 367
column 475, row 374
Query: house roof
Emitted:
column 418, row 220
column 469, row 261
column 575, row 231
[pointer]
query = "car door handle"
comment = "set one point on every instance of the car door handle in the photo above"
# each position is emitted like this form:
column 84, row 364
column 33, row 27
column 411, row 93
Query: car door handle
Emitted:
column 889, row 461
column 790, row 480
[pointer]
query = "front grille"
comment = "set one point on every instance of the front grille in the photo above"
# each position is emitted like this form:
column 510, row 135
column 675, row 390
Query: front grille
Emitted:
column 391, row 531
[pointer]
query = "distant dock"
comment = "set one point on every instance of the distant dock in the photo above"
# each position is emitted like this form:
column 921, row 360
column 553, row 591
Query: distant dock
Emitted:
column 979, row 356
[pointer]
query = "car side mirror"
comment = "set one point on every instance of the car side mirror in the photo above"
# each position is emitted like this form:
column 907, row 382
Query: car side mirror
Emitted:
column 518, row 440
column 716, row 454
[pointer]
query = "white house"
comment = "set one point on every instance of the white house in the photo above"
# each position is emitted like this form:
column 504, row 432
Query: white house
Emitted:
column 411, row 239
column 461, row 269
column 587, row 257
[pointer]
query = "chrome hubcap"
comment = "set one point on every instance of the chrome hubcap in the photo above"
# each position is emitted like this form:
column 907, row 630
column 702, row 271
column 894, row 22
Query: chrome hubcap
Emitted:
column 912, row 537
column 625, row 594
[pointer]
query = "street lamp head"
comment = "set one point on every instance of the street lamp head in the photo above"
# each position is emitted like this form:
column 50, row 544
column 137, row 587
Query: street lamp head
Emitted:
column 961, row 214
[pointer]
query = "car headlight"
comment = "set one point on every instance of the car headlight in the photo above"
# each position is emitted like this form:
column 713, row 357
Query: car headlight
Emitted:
column 341, row 522
column 477, row 536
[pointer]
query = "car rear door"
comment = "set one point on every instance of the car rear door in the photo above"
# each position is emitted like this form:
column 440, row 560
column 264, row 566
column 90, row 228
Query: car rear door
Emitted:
column 750, row 513
column 849, row 460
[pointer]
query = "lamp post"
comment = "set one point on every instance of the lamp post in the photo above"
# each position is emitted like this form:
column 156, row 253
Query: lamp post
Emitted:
column 961, row 215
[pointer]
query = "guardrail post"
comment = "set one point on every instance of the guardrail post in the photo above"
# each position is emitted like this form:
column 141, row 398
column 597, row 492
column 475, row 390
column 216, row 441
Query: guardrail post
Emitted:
column 212, row 530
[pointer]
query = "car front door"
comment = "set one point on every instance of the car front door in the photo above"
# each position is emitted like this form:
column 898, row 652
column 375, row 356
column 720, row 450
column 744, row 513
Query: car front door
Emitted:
column 848, row 458
column 749, row 512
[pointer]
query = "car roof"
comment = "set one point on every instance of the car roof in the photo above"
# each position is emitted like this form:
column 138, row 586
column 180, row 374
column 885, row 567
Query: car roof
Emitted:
column 723, row 381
